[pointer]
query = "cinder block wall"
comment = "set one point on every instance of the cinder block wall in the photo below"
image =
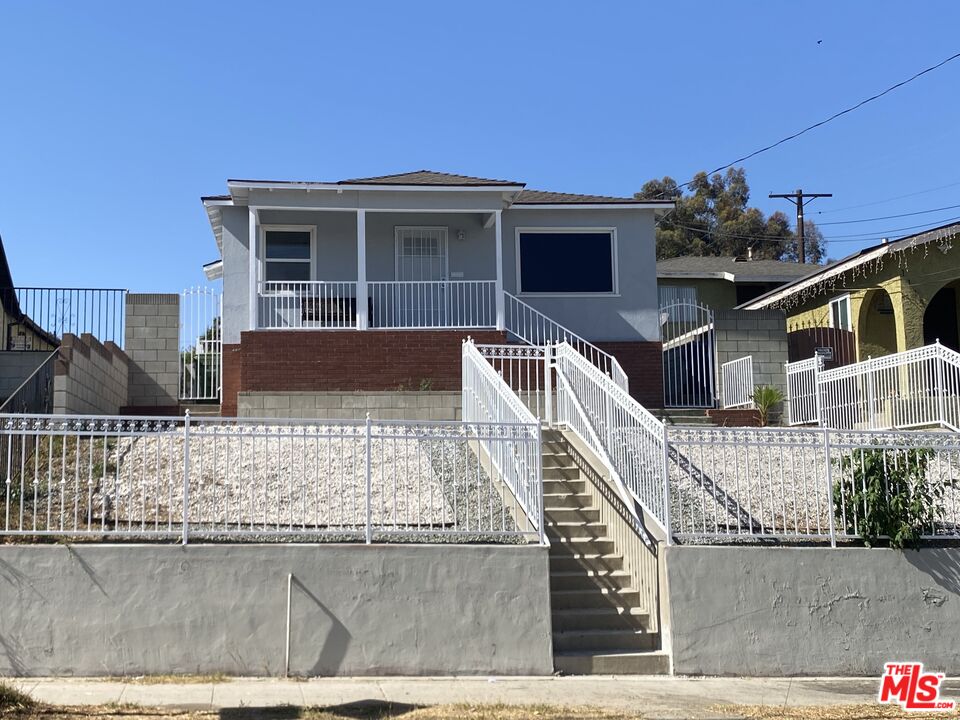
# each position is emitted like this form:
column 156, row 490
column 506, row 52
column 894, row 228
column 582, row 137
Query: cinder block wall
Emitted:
column 90, row 377
column 16, row 366
column 151, row 342
column 760, row 333
column 350, row 406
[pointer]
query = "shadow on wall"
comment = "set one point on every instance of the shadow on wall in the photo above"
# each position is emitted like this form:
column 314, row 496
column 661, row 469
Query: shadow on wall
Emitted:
column 941, row 564
column 360, row 709
column 337, row 640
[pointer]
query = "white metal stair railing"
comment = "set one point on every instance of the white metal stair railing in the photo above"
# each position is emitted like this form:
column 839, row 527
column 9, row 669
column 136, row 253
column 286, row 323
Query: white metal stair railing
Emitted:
column 803, row 405
column 915, row 388
column 534, row 328
column 737, row 382
column 487, row 399
column 624, row 434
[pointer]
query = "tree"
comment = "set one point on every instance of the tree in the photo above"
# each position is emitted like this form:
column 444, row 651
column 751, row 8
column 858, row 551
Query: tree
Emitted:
column 816, row 246
column 712, row 217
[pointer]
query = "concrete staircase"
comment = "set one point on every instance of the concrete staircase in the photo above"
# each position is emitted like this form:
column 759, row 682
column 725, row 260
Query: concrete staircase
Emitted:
column 201, row 409
column 598, row 624
column 683, row 416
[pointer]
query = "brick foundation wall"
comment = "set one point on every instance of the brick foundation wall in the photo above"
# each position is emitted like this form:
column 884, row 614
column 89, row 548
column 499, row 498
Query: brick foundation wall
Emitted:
column 346, row 361
column 643, row 363
column 735, row 417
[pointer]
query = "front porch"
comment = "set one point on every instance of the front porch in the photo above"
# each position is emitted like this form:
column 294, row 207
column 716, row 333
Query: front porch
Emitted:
column 365, row 269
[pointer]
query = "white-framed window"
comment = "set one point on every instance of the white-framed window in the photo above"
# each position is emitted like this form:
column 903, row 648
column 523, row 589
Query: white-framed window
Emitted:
column 287, row 253
column 567, row 261
column 840, row 313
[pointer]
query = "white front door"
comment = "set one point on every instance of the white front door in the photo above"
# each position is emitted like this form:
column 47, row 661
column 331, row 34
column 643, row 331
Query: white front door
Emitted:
column 420, row 300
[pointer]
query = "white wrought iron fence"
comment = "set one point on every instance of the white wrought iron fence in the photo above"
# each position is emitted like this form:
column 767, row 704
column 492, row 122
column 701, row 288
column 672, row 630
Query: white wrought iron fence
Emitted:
column 803, row 404
column 528, row 324
column 737, row 382
column 304, row 305
column 486, row 398
column 526, row 370
column 619, row 430
column 433, row 304
column 916, row 388
column 794, row 483
column 689, row 355
column 201, row 347
column 260, row 479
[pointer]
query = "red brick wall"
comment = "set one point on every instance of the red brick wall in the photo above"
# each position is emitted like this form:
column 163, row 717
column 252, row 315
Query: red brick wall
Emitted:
column 735, row 417
column 643, row 363
column 232, row 372
column 348, row 360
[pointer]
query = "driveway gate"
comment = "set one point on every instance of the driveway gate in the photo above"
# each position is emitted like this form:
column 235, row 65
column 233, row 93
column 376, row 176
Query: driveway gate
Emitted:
column 689, row 356
column 201, row 350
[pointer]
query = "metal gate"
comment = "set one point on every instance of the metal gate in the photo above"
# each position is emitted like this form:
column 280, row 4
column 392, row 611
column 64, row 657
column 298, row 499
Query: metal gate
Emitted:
column 201, row 348
column 689, row 355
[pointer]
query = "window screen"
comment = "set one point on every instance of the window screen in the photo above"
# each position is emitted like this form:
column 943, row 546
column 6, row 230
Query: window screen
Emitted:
column 566, row 262
column 287, row 255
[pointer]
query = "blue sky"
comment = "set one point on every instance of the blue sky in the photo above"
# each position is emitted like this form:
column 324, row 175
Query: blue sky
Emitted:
column 115, row 117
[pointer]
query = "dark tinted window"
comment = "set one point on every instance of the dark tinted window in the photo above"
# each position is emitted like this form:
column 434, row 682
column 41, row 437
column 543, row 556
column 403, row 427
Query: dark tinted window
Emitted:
column 280, row 271
column 566, row 262
column 288, row 245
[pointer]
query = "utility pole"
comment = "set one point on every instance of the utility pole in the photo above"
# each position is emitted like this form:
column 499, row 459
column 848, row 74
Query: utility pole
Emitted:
column 800, row 198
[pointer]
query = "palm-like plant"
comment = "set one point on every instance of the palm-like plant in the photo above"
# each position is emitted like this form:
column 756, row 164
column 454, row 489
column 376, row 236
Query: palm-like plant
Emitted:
column 765, row 398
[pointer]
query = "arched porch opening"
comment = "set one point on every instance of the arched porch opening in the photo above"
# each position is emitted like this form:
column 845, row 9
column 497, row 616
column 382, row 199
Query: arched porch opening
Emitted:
column 940, row 319
column 877, row 327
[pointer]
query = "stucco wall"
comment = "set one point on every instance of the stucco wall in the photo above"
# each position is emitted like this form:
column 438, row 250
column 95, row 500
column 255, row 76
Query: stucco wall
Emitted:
column 812, row 611
column 90, row 377
column 16, row 366
column 355, row 610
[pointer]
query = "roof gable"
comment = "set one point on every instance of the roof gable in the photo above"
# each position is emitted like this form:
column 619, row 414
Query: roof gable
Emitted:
column 429, row 177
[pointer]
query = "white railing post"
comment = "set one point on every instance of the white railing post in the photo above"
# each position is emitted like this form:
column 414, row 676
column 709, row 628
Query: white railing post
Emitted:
column 548, row 382
column 252, row 269
column 501, row 320
column 363, row 322
column 829, row 476
column 369, row 482
column 941, row 409
column 186, row 476
column 539, row 480
column 666, row 486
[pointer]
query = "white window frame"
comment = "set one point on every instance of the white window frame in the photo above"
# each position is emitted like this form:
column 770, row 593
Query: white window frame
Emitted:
column 262, row 265
column 614, row 266
column 836, row 301
column 445, row 246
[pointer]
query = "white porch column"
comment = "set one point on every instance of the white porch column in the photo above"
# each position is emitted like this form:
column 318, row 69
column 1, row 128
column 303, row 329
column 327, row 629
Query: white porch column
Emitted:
column 501, row 315
column 252, row 242
column 363, row 322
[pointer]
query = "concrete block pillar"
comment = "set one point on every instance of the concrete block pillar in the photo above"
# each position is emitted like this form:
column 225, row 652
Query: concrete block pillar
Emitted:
column 151, row 341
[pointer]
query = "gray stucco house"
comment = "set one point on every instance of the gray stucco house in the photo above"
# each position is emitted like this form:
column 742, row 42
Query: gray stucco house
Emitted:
column 371, row 283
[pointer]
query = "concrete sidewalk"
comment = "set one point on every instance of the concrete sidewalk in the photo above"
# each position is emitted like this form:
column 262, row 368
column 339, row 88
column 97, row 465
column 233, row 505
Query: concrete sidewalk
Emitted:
column 656, row 697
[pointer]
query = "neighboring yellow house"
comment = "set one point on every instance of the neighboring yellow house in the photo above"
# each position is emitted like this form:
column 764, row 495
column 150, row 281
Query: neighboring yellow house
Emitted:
column 723, row 282
column 19, row 331
column 888, row 298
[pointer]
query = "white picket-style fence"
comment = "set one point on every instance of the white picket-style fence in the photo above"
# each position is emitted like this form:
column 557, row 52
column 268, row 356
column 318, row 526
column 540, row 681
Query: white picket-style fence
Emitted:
column 738, row 386
column 803, row 404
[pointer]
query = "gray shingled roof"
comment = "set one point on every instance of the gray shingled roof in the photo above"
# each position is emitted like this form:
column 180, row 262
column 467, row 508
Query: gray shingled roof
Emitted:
column 768, row 270
column 535, row 197
column 427, row 177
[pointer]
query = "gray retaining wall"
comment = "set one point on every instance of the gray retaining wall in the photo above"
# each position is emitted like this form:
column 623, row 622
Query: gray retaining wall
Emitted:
column 356, row 610
column 387, row 405
column 812, row 611
column 759, row 333
column 16, row 366
column 151, row 342
column 91, row 377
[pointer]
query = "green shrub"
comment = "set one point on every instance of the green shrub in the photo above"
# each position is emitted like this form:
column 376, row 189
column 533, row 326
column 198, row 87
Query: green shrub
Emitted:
column 765, row 398
column 886, row 493
column 13, row 699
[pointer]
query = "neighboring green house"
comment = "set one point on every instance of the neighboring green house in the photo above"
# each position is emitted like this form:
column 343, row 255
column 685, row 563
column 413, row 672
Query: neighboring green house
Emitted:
column 888, row 298
column 723, row 282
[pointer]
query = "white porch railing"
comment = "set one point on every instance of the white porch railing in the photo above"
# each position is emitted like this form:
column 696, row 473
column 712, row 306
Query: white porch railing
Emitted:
column 803, row 404
column 323, row 304
column 916, row 388
column 620, row 431
column 737, row 382
column 295, row 480
column 534, row 328
column 486, row 398
column 439, row 304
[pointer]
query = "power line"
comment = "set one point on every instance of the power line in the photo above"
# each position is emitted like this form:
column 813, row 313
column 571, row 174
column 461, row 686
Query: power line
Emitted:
column 888, row 217
column 831, row 118
column 886, row 200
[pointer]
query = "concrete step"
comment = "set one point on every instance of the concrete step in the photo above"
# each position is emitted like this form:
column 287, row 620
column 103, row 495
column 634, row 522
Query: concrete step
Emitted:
column 555, row 473
column 576, row 529
column 572, row 514
column 655, row 662
column 605, row 618
column 558, row 461
column 560, row 485
column 201, row 409
column 566, row 500
column 595, row 597
column 571, row 563
column 604, row 640
column 564, row 546
column 586, row 579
